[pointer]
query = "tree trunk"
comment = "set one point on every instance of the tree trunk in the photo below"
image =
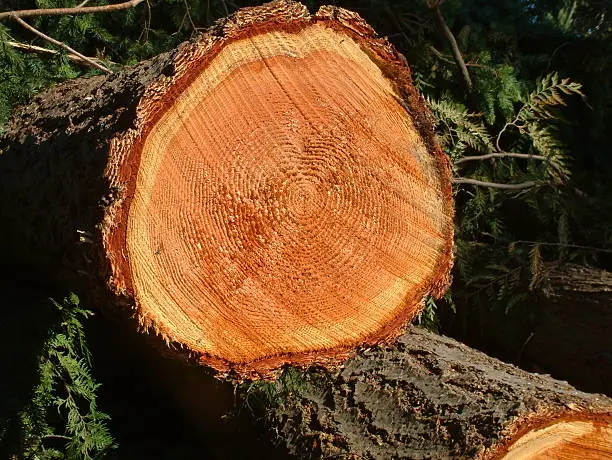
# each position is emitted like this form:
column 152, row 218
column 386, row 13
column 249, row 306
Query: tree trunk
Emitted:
column 571, row 332
column 564, row 330
column 272, row 193
column 268, row 193
column 429, row 396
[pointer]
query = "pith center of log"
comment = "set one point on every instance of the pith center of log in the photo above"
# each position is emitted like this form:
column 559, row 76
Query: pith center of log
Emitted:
column 285, row 203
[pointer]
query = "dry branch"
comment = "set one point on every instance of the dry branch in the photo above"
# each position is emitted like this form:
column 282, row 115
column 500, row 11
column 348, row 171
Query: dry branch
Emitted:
column 69, row 11
column 84, row 58
column 480, row 183
column 488, row 156
column 17, row 16
column 448, row 34
column 42, row 50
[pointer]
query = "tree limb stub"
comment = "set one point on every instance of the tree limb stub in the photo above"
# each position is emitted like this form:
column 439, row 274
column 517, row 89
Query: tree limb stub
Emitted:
column 268, row 193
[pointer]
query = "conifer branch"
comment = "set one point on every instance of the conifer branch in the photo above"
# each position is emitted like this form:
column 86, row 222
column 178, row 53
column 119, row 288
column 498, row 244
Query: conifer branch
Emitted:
column 519, row 186
column 501, row 155
column 90, row 61
column 65, row 11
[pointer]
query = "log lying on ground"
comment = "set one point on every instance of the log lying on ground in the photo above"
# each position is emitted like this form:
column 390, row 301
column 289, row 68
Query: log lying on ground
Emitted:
column 269, row 193
column 571, row 330
column 564, row 330
column 429, row 396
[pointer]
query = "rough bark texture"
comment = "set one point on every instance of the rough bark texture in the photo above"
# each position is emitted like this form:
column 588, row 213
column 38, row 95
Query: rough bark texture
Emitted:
column 53, row 190
column 428, row 396
column 353, row 164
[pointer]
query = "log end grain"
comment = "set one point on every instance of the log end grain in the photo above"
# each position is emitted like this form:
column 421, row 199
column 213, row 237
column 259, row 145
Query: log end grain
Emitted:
column 283, row 197
column 589, row 439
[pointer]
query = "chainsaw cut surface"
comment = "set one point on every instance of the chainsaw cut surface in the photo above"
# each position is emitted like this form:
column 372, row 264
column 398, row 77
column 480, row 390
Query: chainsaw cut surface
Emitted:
column 285, row 203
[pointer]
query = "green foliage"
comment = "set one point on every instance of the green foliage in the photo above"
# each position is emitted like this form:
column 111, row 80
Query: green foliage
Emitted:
column 497, row 89
column 261, row 394
column 428, row 317
column 461, row 133
column 548, row 95
column 487, row 270
column 458, row 130
column 62, row 419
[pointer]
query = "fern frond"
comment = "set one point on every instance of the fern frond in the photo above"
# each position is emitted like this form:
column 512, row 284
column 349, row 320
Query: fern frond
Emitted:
column 536, row 266
column 67, row 386
column 550, row 92
column 547, row 144
column 458, row 128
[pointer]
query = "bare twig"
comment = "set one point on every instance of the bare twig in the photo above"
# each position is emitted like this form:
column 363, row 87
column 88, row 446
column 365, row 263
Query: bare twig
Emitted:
column 40, row 49
column 500, row 155
column 144, row 34
column 506, row 126
column 520, row 186
column 148, row 22
column 435, row 5
column 62, row 45
column 573, row 246
column 193, row 27
column 225, row 7
column 522, row 349
column 82, row 4
column 56, row 436
column 445, row 58
column 64, row 11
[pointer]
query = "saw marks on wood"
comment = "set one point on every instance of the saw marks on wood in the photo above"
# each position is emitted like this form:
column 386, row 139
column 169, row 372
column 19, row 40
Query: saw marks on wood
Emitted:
column 285, row 203
column 564, row 441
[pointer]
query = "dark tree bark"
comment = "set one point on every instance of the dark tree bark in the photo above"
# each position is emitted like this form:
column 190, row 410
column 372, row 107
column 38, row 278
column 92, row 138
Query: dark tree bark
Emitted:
column 429, row 396
column 91, row 171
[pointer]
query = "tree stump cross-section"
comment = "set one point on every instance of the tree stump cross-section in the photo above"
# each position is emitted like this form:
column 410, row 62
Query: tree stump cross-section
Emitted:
column 277, row 193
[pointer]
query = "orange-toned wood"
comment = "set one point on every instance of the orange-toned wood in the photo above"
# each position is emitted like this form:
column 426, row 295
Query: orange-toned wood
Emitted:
column 585, row 440
column 268, row 193
column 283, row 204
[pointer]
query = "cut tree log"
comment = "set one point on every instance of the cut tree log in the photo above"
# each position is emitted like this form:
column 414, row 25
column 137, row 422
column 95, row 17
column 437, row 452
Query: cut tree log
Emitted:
column 431, row 397
column 571, row 328
column 564, row 328
column 269, row 193
column 272, row 193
